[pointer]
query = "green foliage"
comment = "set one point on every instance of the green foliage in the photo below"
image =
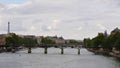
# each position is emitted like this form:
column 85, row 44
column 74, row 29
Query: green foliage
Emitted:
column 74, row 42
column 114, row 40
column 107, row 43
column 117, row 42
column 16, row 40
column 97, row 41
column 87, row 42
column 47, row 41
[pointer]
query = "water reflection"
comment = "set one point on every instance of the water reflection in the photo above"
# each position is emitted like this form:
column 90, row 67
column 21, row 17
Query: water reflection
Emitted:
column 54, row 59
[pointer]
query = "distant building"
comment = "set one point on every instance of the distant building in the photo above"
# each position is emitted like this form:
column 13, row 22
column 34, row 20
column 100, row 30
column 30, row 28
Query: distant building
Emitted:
column 29, row 36
column 22, row 36
column 11, row 34
column 72, row 41
column 115, row 31
column 67, row 41
column 3, row 39
column 39, row 39
column 105, row 33
column 58, row 40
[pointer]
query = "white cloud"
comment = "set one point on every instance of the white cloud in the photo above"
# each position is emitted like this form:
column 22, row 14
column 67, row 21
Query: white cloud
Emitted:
column 32, row 28
column 55, row 23
column 80, row 28
column 70, row 18
column 49, row 28
column 101, row 26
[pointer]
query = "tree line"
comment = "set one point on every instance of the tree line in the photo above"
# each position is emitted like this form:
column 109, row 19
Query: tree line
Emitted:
column 107, row 42
column 20, row 41
column 26, row 41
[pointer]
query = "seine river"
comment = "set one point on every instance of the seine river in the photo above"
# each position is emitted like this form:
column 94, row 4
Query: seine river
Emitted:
column 54, row 59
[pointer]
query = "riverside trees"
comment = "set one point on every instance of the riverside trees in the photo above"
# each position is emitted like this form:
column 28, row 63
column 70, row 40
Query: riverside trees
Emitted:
column 19, row 41
column 47, row 41
column 106, row 42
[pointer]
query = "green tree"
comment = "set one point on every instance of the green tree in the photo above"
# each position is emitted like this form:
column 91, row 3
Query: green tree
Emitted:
column 98, row 40
column 13, row 40
column 107, row 44
column 18, row 41
column 47, row 41
column 117, row 44
column 117, row 41
column 87, row 42
column 74, row 42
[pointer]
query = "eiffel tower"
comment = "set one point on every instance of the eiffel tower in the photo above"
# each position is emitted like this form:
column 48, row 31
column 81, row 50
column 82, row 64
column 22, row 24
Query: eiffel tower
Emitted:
column 8, row 27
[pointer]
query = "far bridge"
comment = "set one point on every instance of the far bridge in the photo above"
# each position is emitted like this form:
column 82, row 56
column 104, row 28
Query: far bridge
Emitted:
column 15, row 47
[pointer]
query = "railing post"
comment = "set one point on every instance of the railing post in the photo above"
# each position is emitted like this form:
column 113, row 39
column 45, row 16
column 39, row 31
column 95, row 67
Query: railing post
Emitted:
column 62, row 50
column 29, row 50
column 45, row 51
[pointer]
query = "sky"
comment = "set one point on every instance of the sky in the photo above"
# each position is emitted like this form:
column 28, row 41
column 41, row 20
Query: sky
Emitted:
column 71, row 19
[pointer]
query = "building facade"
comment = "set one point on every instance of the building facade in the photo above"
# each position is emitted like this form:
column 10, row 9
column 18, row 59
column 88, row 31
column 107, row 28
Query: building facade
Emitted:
column 58, row 40
column 3, row 39
column 39, row 39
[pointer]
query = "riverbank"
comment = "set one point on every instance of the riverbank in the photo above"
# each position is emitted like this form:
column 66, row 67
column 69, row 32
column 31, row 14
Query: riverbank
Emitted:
column 113, row 53
column 10, row 49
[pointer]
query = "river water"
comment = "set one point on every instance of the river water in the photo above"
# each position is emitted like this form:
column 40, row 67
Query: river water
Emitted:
column 54, row 59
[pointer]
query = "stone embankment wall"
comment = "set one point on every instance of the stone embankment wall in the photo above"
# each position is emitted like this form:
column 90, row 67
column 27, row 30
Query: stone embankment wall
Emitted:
column 113, row 53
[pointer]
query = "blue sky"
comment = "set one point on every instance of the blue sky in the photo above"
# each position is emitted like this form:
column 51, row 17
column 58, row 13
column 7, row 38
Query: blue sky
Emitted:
column 12, row 1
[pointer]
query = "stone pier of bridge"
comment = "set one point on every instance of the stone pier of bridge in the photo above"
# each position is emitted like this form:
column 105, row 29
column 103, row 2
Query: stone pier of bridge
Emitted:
column 62, row 50
column 46, row 50
column 29, row 50
column 78, row 51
